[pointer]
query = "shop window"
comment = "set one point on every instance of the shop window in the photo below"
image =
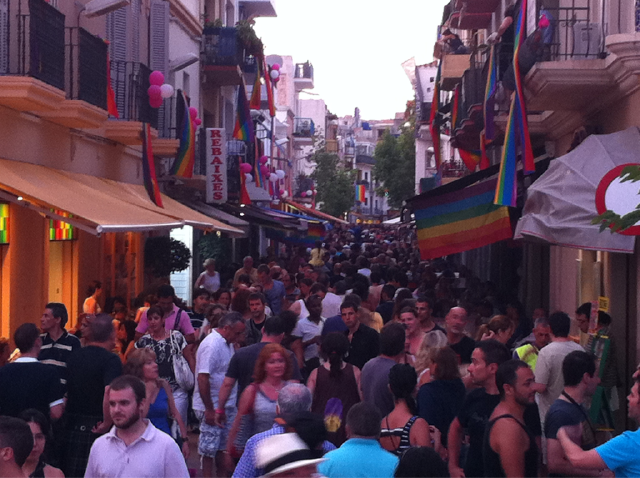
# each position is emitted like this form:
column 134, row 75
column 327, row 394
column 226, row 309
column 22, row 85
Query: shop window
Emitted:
column 4, row 223
column 60, row 230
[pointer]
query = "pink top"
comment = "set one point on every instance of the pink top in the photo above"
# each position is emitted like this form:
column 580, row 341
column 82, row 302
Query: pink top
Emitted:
column 169, row 322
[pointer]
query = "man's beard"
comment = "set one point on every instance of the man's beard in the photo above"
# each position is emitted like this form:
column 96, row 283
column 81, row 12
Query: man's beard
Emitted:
column 132, row 420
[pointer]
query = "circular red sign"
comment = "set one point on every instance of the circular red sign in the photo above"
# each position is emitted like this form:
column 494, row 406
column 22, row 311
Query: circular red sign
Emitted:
column 604, row 184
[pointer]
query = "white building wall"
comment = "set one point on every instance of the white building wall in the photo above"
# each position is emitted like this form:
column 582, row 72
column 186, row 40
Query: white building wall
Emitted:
column 182, row 43
column 181, row 281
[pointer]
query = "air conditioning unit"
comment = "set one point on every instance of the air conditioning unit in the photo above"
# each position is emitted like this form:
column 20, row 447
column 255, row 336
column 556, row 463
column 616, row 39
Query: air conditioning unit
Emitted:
column 587, row 39
column 101, row 7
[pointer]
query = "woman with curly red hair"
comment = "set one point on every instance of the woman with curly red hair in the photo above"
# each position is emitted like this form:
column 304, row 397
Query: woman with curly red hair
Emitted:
column 257, row 406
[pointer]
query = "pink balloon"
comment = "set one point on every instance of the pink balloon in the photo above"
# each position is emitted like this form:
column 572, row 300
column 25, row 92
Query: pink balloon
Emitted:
column 245, row 168
column 197, row 121
column 276, row 80
column 264, row 159
column 193, row 112
column 154, row 91
column 315, row 192
column 303, row 194
column 155, row 102
column 264, row 170
column 281, row 191
column 156, row 78
column 275, row 66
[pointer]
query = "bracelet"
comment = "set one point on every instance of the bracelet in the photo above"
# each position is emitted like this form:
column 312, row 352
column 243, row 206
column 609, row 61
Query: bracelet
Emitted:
column 220, row 411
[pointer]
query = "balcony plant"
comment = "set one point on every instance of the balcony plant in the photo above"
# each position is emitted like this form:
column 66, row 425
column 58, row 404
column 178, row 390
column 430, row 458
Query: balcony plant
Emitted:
column 248, row 38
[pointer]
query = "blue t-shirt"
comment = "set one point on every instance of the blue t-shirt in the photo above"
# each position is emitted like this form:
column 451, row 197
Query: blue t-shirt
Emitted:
column 274, row 296
column 620, row 454
column 359, row 458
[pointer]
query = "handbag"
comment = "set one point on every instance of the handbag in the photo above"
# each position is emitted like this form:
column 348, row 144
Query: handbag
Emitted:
column 184, row 376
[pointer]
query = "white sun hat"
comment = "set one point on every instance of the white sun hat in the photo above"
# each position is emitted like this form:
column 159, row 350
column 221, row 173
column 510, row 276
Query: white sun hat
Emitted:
column 284, row 452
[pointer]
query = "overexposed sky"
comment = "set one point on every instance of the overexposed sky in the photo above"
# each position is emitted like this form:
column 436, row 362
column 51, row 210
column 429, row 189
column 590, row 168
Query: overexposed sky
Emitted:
column 356, row 47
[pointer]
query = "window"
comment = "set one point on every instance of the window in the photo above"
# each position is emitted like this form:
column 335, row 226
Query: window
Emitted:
column 376, row 204
column 429, row 90
column 366, row 176
column 366, row 201
column 432, row 80
column 186, row 83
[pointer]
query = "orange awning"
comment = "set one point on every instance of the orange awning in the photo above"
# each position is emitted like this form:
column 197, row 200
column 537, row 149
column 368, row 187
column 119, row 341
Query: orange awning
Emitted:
column 314, row 212
column 97, row 205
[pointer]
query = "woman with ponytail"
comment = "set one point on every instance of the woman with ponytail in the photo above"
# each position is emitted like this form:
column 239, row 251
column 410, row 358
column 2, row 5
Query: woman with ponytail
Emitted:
column 499, row 328
column 335, row 386
column 403, row 428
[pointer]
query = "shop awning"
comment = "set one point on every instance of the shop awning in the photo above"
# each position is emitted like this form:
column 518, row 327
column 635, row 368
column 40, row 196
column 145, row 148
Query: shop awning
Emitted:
column 263, row 217
column 230, row 219
column 97, row 205
column 562, row 203
column 314, row 212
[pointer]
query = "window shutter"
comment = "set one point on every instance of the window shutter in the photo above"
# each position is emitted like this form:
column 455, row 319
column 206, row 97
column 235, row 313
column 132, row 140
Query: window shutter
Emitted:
column 4, row 36
column 118, row 39
column 159, row 57
column 134, row 24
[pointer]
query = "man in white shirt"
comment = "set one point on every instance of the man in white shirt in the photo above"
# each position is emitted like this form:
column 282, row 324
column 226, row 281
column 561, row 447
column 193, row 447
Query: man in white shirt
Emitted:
column 133, row 447
column 310, row 330
column 212, row 361
column 330, row 301
column 549, row 378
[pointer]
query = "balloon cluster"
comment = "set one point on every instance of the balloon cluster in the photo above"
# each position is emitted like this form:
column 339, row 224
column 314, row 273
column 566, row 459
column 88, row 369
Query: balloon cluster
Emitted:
column 159, row 90
column 274, row 176
column 308, row 193
column 275, row 73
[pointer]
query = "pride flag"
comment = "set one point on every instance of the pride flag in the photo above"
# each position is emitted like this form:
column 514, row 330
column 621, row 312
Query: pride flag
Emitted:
column 243, row 130
column 256, row 94
column 489, row 100
column 460, row 221
column 267, row 84
column 517, row 132
column 149, row 167
column 471, row 159
column 455, row 108
column 360, row 192
column 186, row 156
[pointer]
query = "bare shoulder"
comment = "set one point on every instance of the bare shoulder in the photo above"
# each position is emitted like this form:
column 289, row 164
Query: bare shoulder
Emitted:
column 51, row 472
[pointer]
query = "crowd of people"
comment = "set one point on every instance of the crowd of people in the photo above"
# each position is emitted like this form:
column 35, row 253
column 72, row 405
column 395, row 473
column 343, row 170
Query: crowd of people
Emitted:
column 351, row 359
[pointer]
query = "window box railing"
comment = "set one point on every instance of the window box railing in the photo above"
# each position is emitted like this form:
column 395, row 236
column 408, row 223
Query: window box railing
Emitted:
column 86, row 57
column 303, row 71
column 40, row 44
column 304, row 127
column 220, row 47
column 130, row 82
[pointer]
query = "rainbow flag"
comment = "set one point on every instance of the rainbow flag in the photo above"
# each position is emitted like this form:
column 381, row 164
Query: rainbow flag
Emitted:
column 455, row 108
column 471, row 159
column 489, row 100
column 434, row 128
column 460, row 221
column 4, row 223
column 484, row 159
column 186, row 157
column 243, row 130
column 360, row 192
column 149, row 167
column 517, row 133
column 316, row 232
column 267, row 84
column 256, row 94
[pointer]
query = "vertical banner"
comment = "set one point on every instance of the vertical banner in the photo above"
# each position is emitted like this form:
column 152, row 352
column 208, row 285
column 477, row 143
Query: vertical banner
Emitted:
column 217, row 190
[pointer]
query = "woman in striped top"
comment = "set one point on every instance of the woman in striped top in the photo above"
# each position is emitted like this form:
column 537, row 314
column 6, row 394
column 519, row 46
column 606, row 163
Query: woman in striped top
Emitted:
column 402, row 428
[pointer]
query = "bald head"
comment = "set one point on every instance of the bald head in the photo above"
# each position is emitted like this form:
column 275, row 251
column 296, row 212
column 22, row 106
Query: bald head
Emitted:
column 456, row 320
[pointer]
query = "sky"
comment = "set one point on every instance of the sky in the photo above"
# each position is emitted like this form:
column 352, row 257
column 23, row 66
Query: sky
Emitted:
column 356, row 48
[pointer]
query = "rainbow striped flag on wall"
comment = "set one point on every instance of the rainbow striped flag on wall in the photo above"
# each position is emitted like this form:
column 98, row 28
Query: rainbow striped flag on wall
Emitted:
column 460, row 221
column 434, row 128
column 516, row 138
column 360, row 192
column 60, row 230
column 186, row 157
column 149, row 166
column 243, row 130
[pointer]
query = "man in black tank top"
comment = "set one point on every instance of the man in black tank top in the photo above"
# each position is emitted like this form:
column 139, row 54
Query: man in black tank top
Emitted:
column 509, row 446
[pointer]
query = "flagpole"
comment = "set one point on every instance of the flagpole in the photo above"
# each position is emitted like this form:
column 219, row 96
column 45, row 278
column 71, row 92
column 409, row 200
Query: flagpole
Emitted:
column 273, row 138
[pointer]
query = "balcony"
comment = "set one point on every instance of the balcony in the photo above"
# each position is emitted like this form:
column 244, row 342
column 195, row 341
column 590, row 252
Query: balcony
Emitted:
column 130, row 82
column 258, row 8
column 350, row 151
column 470, row 122
column 453, row 169
column 303, row 130
column 453, row 67
column 32, row 58
column 303, row 76
column 85, row 82
column 222, row 56
column 331, row 146
column 167, row 144
column 572, row 73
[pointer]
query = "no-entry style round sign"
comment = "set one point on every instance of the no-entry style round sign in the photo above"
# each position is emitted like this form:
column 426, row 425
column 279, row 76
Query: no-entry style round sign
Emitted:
column 617, row 196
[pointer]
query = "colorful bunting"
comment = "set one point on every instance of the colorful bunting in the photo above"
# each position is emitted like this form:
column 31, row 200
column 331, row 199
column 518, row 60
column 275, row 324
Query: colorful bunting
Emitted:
column 149, row 167
column 517, row 133
column 186, row 156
